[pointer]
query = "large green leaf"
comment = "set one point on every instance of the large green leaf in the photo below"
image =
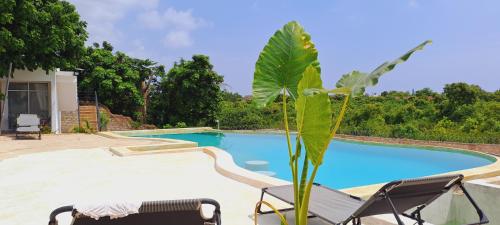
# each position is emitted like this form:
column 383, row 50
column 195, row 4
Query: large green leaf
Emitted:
column 282, row 62
column 313, row 116
column 357, row 81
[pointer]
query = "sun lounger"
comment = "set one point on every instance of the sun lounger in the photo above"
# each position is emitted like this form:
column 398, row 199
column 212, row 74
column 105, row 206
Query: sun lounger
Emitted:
column 28, row 123
column 403, row 197
column 172, row 212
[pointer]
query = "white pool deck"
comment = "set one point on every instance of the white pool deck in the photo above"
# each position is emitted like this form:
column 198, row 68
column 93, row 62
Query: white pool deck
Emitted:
column 33, row 184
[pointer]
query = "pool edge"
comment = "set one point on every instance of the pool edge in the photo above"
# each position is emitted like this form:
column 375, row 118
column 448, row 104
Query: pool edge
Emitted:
column 225, row 165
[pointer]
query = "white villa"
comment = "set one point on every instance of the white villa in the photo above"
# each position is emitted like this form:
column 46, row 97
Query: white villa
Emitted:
column 53, row 97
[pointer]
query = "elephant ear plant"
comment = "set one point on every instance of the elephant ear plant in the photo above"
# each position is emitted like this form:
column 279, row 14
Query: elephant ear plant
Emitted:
column 288, row 66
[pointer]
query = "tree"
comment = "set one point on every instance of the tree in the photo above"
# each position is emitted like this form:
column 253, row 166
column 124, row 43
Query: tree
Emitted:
column 426, row 92
column 40, row 34
column 122, row 83
column 189, row 93
column 462, row 93
column 149, row 75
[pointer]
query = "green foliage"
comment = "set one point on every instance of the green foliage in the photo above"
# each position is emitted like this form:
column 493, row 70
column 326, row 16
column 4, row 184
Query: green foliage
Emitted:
column 241, row 115
column 189, row 93
column 40, row 34
column 357, row 81
column 167, row 126
column 281, row 63
column 136, row 124
column 86, row 128
column 288, row 65
column 393, row 114
column 180, row 125
column 462, row 93
column 45, row 129
column 313, row 118
column 122, row 83
column 103, row 121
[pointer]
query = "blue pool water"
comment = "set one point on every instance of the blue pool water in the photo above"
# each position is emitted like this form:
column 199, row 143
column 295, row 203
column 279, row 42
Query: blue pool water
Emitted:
column 346, row 164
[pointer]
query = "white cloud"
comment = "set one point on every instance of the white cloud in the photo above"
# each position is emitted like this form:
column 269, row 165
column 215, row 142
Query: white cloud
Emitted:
column 102, row 15
column 171, row 19
column 413, row 3
column 137, row 49
column 178, row 39
column 179, row 25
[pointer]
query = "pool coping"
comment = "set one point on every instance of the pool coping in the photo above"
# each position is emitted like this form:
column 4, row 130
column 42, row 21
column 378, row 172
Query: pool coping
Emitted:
column 225, row 165
column 169, row 144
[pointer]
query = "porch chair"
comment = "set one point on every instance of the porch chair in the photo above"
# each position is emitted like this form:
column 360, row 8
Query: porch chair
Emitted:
column 28, row 123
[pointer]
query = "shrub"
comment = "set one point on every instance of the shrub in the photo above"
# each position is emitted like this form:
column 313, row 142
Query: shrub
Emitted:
column 103, row 121
column 86, row 128
column 136, row 124
column 180, row 125
column 167, row 126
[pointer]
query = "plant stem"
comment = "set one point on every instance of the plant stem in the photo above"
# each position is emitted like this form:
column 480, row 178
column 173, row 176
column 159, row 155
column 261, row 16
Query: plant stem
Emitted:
column 339, row 120
column 285, row 121
column 296, row 171
column 276, row 211
column 287, row 132
column 303, row 177
column 307, row 192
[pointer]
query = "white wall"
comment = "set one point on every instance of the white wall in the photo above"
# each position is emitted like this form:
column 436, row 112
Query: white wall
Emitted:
column 67, row 91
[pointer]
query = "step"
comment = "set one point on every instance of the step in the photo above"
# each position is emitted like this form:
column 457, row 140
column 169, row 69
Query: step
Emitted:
column 257, row 165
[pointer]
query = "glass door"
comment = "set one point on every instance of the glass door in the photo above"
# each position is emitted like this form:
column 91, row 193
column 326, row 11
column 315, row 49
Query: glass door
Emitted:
column 31, row 98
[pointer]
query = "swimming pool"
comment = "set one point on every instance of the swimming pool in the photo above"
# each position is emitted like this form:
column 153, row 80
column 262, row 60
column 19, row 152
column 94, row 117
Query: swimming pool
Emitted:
column 346, row 164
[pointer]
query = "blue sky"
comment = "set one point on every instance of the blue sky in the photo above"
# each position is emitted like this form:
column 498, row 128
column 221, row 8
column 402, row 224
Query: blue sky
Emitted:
column 348, row 35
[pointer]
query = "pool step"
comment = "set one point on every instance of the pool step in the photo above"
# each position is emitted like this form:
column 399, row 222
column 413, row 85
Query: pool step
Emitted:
column 257, row 165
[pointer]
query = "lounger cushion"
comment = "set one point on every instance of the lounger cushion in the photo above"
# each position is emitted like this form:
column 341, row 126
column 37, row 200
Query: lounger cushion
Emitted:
column 28, row 129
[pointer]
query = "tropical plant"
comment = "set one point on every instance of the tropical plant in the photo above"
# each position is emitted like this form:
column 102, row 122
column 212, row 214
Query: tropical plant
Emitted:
column 288, row 66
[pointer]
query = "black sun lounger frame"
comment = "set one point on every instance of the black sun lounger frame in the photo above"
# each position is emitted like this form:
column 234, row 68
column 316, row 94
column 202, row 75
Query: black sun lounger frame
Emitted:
column 173, row 212
column 396, row 198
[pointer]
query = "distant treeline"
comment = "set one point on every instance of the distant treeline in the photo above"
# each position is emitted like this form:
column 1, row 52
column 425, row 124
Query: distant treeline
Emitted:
column 462, row 113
